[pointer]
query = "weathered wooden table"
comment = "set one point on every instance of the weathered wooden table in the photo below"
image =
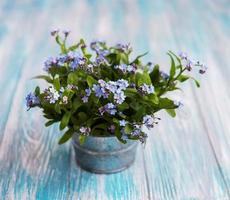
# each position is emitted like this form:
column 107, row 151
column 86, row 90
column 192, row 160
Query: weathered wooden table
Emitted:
column 185, row 158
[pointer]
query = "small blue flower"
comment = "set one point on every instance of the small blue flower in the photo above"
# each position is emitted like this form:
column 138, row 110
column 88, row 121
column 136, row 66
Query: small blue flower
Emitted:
column 62, row 59
column 88, row 92
column 85, row 99
column 50, row 62
column 111, row 86
column 122, row 122
column 100, row 59
column 146, row 89
column 109, row 108
column 183, row 55
column 136, row 132
column 52, row 95
column 131, row 68
column 32, row 100
column 119, row 97
column 126, row 68
column 148, row 121
column 77, row 62
column 100, row 91
column 85, row 130
column 94, row 45
column 122, row 84
column 124, row 47
column 189, row 64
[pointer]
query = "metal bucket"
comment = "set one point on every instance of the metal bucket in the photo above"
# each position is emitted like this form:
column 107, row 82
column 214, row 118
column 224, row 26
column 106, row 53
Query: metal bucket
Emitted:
column 104, row 155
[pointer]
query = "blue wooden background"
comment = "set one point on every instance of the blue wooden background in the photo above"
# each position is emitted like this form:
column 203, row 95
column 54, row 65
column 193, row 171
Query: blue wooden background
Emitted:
column 186, row 158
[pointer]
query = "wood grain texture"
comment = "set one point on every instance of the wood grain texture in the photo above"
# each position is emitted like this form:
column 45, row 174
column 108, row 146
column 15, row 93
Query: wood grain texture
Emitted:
column 185, row 158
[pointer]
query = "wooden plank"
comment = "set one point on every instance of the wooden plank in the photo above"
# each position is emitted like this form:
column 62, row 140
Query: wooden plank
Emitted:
column 32, row 165
column 182, row 165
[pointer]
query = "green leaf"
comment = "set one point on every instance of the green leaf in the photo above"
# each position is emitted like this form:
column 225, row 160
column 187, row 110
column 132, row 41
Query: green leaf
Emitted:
column 56, row 84
column 139, row 114
column 57, row 108
column 196, row 82
column 131, row 92
column 100, row 126
column 76, row 104
column 183, row 78
column 44, row 77
column 90, row 80
column 82, row 116
column 173, row 67
column 136, row 60
column 128, row 129
column 124, row 58
column 58, row 40
column 153, row 98
column 50, row 122
column 37, row 91
column 143, row 78
column 165, row 103
column 82, row 139
column 123, row 106
column 72, row 78
column 73, row 47
column 171, row 112
column 65, row 120
column 155, row 74
column 68, row 134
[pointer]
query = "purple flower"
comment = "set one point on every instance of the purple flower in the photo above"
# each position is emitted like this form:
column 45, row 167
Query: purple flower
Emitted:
column 62, row 59
column 183, row 55
column 32, row 100
column 122, row 84
column 146, row 89
column 126, row 68
column 124, row 47
column 100, row 59
column 85, row 99
column 119, row 97
column 100, row 91
column 148, row 121
column 136, row 132
column 143, row 138
column 85, row 130
column 77, row 62
column 88, row 92
column 109, row 108
column 50, row 62
column 54, row 32
column 66, row 32
column 189, row 65
column 52, row 95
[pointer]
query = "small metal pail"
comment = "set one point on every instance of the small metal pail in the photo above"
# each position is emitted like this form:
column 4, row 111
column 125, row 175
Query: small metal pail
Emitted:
column 104, row 155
